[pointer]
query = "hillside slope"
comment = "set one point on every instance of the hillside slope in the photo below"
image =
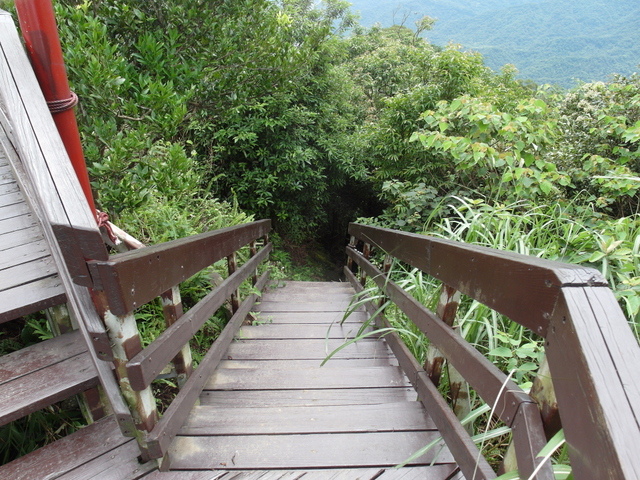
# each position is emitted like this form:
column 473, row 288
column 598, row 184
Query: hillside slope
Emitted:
column 555, row 41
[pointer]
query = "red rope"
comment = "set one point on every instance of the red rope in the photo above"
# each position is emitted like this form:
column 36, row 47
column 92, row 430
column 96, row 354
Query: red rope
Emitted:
column 59, row 106
column 103, row 222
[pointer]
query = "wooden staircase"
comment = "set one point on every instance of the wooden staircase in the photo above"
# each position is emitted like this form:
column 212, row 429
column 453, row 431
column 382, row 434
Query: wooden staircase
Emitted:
column 259, row 405
column 44, row 373
column 271, row 405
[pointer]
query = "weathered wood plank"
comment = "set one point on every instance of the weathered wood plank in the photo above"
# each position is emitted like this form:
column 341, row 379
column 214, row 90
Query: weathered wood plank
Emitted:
column 40, row 355
column 267, row 306
column 121, row 463
column 304, row 451
column 297, row 296
column 66, row 454
column 191, row 475
column 288, row 398
column 46, row 386
column 23, row 254
column 14, row 210
column 31, row 298
column 310, row 286
column 334, row 363
column 308, row 317
column 435, row 472
column 265, row 332
column 388, row 417
column 10, row 198
column 304, row 349
column 17, row 275
column 20, row 237
column 308, row 378
column 17, row 223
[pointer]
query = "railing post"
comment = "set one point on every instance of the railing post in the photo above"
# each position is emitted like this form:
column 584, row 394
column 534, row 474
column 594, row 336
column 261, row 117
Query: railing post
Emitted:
column 543, row 393
column 171, row 306
column 366, row 253
column 232, row 265
column 458, row 387
column 253, row 251
column 126, row 343
column 172, row 309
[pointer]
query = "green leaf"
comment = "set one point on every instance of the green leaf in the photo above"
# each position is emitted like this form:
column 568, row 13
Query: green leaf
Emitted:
column 501, row 352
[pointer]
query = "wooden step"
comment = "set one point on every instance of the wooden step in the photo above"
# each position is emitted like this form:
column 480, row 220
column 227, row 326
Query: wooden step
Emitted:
column 98, row 451
column 29, row 280
column 386, row 417
column 43, row 374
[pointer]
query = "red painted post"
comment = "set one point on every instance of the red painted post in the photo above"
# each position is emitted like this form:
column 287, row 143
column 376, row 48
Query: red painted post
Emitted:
column 40, row 32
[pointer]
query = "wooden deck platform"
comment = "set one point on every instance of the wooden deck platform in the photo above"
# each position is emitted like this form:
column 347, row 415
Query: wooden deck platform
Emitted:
column 271, row 406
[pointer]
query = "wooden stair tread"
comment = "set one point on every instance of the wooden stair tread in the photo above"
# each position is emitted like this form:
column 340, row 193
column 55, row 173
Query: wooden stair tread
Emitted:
column 97, row 451
column 286, row 398
column 341, row 450
column 277, row 420
column 28, row 276
column 43, row 374
column 306, row 378
column 435, row 472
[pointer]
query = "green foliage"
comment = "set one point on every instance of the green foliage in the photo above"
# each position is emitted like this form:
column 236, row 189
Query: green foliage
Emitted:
column 491, row 148
column 600, row 141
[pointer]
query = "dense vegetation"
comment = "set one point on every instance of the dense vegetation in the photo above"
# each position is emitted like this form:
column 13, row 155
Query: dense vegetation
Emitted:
column 556, row 42
column 200, row 114
column 197, row 114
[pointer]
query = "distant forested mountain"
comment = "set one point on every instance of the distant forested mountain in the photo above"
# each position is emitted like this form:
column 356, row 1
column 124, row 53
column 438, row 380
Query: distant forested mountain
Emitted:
column 552, row 41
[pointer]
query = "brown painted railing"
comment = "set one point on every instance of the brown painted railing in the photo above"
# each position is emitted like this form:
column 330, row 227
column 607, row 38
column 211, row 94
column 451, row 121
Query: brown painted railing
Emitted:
column 592, row 355
column 131, row 279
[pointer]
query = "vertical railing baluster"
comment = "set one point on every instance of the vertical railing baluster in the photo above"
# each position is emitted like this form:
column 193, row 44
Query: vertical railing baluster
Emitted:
column 543, row 393
column 253, row 251
column 232, row 264
column 91, row 402
column 386, row 268
column 126, row 343
column 366, row 253
column 172, row 309
column 458, row 387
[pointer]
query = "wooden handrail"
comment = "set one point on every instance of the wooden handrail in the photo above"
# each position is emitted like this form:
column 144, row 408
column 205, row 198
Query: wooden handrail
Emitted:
column 492, row 277
column 130, row 279
column 146, row 365
column 136, row 277
column 592, row 353
column 491, row 384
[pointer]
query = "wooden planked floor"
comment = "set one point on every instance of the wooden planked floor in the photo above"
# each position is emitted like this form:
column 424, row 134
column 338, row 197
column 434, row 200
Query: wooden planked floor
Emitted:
column 271, row 411
column 29, row 280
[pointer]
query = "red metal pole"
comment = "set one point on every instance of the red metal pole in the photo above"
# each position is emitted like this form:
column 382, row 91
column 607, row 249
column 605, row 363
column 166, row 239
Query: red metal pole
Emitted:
column 40, row 32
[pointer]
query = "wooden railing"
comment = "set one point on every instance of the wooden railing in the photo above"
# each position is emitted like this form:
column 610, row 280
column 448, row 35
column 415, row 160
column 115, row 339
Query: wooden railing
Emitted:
column 131, row 279
column 592, row 354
